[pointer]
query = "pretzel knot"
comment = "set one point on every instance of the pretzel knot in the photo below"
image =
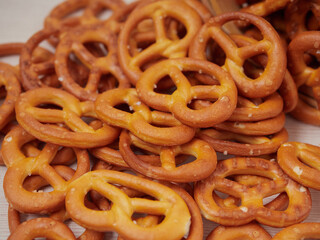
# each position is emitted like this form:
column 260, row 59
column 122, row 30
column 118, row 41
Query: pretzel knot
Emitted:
column 177, row 102
column 249, row 231
column 42, row 227
column 20, row 167
column 310, row 230
column 33, row 118
column 73, row 42
column 252, row 207
column 169, row 171
column 168, row 204
column 270, row 79
column 140, row 121
column 301, row 162
column 164, row 47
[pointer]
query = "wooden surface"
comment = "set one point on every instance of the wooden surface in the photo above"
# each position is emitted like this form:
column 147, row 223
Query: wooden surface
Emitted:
column 19, row 19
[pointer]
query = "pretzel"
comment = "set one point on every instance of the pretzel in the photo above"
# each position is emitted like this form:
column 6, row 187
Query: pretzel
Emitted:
column 139, row 122
column 73, row 42
column 287, row 89
column 302, row 73
column 118, row 218
column 258, row 128
column 296, row 16
column 20, row 167
column 177, row 102
column 163, row 46
column 249, row 231
column 242, row 145
column 270, row 79
column 168, row 170
column 301, row 162
column 32, row 68
column 32, row 118
column 42, row 227
column 299, row 231
column 251, row 207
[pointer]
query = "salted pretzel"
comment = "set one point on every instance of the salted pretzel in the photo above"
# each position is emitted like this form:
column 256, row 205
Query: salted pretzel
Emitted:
column 270, row 79
column 168, row 170
column 21, row 166
column 307, row 230
column 278, row 203
column 42, row 227
column 163, row 47
column 251, row 231
column 251, row 207
column 242, row 145
column 287, row 89
column 254, row 128
column 296, row 16
column 301, row 72
column 118, row 218
column 140, row 121
column 301, row 162
column 33, row 119
column 73, row 42
column 177, row 102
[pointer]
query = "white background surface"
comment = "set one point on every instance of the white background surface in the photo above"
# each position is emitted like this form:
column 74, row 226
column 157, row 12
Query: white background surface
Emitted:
column 19, row 19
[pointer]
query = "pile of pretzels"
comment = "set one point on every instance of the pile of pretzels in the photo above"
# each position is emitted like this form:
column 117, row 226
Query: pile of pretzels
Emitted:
column 115, row 123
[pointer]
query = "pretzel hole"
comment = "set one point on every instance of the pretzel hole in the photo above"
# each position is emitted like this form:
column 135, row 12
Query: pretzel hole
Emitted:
column 312, row 58
column 252, row 69
column 97, row 49
column 124, row 107
column 72, row 14
column 183, row 159
column 215, row 53
column 165, row 86
column 271, row 200
column 3, row 93
column 49, row 106
column 107, row 82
